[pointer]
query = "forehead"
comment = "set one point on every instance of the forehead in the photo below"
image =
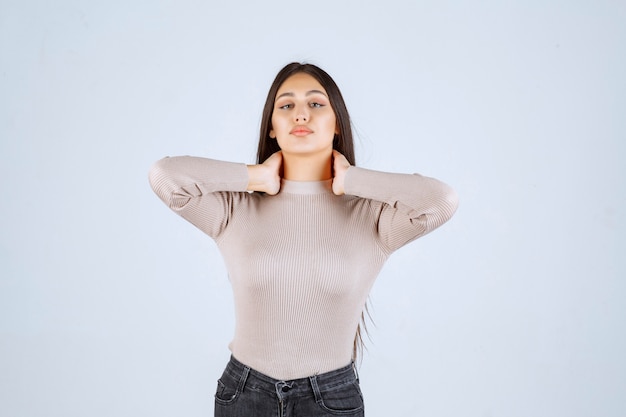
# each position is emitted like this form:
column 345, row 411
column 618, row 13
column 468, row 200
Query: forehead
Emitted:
column 300, row 83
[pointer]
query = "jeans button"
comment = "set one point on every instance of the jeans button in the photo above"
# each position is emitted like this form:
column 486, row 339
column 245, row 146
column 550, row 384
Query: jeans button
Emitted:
column 285, row 388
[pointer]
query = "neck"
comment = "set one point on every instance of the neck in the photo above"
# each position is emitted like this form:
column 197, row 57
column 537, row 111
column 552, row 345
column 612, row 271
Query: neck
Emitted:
column 307, row 168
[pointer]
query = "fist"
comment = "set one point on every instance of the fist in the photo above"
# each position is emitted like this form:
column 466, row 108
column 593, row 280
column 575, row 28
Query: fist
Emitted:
column 340, row 167
column 273, row 165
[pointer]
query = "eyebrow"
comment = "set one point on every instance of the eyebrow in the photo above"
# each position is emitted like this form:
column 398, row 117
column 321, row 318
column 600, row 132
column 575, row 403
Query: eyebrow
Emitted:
column 289, row 94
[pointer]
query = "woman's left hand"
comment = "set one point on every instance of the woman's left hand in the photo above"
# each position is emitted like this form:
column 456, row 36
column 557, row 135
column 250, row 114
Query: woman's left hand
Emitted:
column 340, row 167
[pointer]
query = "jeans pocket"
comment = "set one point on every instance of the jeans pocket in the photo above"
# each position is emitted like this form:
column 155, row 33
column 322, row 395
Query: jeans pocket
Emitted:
column 227, row 390
column 345, row 399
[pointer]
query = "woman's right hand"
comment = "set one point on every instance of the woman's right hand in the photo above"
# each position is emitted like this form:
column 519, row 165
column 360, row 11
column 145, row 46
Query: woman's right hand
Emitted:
column 265, row 177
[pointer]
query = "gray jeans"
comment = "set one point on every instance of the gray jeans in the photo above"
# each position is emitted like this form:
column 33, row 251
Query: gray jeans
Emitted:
column 244, row 392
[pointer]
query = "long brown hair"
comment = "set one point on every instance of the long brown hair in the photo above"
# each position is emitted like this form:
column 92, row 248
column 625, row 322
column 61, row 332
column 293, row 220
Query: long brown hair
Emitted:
column 342, row 142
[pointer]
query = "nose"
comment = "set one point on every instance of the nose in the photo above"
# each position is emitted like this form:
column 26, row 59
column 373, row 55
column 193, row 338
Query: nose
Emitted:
column 302, row 114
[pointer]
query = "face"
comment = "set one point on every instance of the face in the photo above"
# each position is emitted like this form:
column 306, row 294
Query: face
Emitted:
column 303, row 122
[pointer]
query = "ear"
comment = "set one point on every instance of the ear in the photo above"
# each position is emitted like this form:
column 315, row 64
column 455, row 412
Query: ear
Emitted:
column 272, row 134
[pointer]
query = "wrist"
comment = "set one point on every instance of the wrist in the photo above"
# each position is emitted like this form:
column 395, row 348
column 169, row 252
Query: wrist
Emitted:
column 339, row 182
column 256, row 181
column 262, row 179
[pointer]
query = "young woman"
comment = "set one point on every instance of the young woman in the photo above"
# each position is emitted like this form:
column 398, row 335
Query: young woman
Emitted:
column 304, row 233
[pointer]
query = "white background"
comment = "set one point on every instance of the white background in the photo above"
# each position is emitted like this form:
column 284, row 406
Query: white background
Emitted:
column 111, row 305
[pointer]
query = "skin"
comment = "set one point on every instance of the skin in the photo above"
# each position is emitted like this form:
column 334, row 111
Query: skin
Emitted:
column 304, row 124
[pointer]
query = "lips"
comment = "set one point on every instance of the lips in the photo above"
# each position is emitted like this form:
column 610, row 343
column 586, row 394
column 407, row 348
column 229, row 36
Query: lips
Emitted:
column 300, row 131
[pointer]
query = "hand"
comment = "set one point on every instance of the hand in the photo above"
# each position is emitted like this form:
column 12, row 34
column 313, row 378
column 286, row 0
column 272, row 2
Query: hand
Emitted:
column 265, row 177
column 340, row 167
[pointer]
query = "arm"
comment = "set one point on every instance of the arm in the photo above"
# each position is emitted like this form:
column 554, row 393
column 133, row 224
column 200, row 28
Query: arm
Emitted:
column 203, row 190
column 199, row 189
column 407, row 206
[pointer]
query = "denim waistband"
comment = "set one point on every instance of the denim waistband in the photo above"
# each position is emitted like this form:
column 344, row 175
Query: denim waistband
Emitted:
column 249, row 377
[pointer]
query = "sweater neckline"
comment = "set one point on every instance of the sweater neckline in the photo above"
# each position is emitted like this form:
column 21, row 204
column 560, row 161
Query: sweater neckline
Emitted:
column 306, row 187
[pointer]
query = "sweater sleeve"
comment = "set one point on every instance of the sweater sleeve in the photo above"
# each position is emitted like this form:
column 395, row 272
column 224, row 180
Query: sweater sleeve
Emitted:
column 406, row 206
column 201, row 190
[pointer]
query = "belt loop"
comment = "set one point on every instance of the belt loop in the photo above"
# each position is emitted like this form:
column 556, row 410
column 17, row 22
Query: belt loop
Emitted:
column 356, row 373
column 244, row 378
column 316, row 389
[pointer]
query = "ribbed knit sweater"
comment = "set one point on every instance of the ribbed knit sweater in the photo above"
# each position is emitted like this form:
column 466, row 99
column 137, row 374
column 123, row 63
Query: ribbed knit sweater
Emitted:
column 301, row 263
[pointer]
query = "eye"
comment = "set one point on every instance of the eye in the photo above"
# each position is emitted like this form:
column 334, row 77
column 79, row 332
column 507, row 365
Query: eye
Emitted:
column 285, row 106
column 316, row 105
